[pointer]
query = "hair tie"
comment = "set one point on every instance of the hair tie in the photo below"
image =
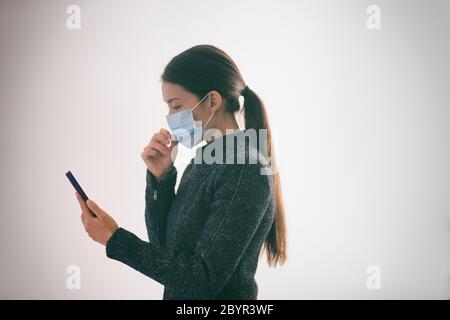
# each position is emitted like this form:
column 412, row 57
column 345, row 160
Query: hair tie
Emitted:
column 245, row 90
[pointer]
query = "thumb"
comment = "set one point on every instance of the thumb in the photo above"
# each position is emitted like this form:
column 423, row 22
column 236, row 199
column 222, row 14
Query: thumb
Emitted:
column 94, row 208
column 173, row 146
column 173, row 143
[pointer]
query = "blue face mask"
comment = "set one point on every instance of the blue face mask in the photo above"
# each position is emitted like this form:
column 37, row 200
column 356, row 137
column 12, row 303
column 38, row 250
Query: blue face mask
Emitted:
column 184, row 127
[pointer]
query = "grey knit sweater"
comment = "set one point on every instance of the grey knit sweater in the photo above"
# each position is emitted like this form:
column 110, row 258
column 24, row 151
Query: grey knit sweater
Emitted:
column 204, row 240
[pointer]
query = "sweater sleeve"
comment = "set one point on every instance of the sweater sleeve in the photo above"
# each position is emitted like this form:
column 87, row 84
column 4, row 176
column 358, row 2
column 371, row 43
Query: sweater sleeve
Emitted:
column 158, row 198
column 239, row 203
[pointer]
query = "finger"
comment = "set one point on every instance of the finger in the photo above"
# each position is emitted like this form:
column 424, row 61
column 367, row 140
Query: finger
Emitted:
column 163, row 149
column 95, row 208
column 166, row 133
column 84, row 208
column 78, row 197
column 173, row 144
column 81, row 202
column 156, row 153
column 149, row 152
column 173, row 138
column 162, row 137
column 153, row 153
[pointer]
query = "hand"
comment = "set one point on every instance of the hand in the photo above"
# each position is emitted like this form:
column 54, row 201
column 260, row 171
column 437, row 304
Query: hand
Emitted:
column 99, row 228
column 160, row 153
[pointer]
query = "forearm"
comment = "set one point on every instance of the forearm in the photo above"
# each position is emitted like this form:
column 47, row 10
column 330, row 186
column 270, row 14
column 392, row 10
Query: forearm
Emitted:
column 186, row 271
column 158, row 198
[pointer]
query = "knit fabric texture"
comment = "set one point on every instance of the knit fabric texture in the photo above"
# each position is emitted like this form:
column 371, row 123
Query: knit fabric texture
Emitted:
column 205, row 239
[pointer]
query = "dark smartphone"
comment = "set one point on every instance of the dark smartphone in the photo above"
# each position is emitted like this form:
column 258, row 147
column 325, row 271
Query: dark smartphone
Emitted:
column 78, row 188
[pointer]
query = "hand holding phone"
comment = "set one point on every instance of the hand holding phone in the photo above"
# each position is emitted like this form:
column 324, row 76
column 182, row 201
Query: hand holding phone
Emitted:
column 78, row 188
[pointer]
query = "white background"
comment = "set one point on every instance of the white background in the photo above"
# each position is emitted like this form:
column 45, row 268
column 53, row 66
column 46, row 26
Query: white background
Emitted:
column 362, row 118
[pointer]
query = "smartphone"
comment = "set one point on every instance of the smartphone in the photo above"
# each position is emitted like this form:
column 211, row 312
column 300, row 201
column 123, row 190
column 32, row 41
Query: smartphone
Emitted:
column 78, row 188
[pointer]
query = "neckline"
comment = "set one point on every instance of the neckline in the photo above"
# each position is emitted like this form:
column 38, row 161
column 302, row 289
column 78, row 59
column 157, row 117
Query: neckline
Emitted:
column 218, row 139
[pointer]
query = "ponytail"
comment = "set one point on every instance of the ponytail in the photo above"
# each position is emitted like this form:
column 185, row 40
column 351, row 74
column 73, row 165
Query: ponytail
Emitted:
column 256, row 118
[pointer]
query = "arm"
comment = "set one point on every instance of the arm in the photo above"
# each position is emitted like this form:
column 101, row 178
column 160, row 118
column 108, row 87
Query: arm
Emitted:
column 238, row 206
column 158, row 198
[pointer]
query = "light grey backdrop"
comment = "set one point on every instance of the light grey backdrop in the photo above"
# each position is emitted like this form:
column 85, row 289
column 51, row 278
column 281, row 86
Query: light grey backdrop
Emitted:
column 363, row 137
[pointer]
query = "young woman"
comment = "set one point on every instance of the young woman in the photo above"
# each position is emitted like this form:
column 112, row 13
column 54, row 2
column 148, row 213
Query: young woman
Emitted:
column 205, row 239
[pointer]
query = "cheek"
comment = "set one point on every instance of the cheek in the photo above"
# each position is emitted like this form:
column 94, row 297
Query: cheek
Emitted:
column 199, row 115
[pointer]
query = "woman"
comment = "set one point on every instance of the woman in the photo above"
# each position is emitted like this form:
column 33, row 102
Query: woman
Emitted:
column 205, row 239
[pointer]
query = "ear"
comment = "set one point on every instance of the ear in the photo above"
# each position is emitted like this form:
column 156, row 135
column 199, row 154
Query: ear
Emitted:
column 215, row 99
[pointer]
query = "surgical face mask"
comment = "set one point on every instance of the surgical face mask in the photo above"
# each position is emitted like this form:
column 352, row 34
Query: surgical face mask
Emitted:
column 184, row 127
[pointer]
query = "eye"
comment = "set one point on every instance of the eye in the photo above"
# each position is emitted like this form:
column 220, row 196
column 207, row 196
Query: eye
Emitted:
column 176, row 107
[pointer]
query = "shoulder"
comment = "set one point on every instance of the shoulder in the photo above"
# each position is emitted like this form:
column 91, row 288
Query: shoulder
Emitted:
column 244, row 163
column 237, row 159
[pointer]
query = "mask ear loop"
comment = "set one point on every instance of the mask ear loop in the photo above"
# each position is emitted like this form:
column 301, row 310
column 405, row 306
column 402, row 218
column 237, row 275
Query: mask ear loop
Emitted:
column 239, row 115
column 203, row 127
column 209, row 119
column 198, row 103
column 196, row 122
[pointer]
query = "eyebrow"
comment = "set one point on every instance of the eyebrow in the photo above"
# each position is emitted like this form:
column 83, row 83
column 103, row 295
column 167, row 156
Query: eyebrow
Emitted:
column 169, row 101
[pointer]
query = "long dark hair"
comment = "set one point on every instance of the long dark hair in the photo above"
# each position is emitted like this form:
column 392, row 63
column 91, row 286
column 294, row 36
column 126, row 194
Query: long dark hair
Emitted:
column 204, row 68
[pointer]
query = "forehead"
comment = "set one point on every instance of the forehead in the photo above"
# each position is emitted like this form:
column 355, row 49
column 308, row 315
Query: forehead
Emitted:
column 173, row 92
